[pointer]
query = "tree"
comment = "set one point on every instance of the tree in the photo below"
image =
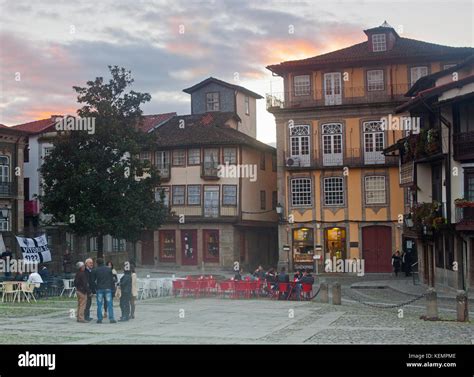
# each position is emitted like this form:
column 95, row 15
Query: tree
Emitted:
column 90, row 180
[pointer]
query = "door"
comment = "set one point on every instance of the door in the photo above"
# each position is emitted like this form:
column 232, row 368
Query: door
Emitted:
column 300, row 144
column 377, row 248
column 211, row 201
column 468, row 212
column 189, row 247
column 332, row 144
column 148, row 248
column 162, row 161
column 373, row 143
column 332, row 88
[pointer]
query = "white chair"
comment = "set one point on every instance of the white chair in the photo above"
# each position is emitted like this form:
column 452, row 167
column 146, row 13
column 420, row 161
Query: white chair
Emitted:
column 68, row 287
column 142, row 289
column 28, row 291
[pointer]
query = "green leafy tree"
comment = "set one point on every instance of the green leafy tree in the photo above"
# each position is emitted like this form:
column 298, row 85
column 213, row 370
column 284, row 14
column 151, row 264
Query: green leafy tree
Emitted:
column 90, row 180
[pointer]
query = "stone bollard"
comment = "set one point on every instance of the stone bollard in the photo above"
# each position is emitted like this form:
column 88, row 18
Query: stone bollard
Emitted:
column 323, row 293
column 336, row 294
column 462, row 306
column 431, row 305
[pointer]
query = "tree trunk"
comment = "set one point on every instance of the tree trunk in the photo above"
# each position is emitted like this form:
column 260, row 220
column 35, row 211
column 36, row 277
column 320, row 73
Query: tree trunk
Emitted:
column 100, row 246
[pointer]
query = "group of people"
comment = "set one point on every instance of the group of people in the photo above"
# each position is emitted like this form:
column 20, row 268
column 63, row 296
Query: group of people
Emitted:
column 401, row 263
column 271, row 276
column 103, row 282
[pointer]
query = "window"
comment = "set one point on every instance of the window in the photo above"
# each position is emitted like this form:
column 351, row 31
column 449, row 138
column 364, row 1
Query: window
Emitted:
column 417, row 73
column 301, row 192
column 162, row 161
column 212, row 101
column 274, row 162
column 333, row 191
column 167, row 246
column 447, row 66
column 332, row 144
column 211, row 201
column 145, row 156
column 26, row 153
column 211, row 162
column 263, row 200
column 165, row 192
column 274, row 199
column 379, row 43
column 375, row 80
column 375, row 190
column 229, row 195
column 93, row 244
column 230, row 156
column 262, row 160
column 179, row 157
column 373, row 142
column 194, row 156
column 194, row 195
column 211, row 245
column 118, row 244
column 70, row 241
column 5, row 220
column 247, row 105
column 300, row 144
column 5, row 175
column 302, row 85
column 178, row 195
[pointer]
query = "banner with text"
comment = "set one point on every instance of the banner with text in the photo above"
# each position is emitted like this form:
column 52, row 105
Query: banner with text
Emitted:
column 35, row 250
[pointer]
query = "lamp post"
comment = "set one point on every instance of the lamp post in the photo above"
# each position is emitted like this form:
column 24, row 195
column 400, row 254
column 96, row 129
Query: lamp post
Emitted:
column 279, row 211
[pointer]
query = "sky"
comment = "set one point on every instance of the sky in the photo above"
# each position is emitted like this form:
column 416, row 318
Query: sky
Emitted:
column 46, row 47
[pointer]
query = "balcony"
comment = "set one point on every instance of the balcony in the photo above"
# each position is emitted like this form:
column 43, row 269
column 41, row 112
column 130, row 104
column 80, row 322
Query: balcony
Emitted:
column 464, row 215
column 463, row 146
column 31, row 208
column 349, row 96
column 422, row 147
column 210, row 170
column 203, row 213
column 427, row 218
column 6, row 189
column 351, row 157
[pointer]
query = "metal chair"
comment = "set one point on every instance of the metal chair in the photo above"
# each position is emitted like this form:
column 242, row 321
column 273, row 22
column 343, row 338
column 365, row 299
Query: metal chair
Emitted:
column 68, row 287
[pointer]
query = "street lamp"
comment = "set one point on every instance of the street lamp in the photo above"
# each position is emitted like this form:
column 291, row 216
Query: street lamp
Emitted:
column 279, row 211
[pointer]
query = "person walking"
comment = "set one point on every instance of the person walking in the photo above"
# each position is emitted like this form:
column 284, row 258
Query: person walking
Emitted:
column 396, row 262
column 81, row 282
column 126, row 293
column 103, row 280
column 134, row 292
column 89, row 266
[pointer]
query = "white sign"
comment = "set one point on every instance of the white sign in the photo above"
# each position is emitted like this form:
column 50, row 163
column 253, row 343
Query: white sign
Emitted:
column 35, row 250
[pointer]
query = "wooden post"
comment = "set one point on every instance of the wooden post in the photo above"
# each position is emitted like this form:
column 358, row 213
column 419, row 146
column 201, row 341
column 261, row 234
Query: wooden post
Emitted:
column 336, row 294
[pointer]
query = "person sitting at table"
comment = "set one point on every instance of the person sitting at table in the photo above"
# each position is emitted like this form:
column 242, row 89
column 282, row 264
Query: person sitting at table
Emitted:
column 283, row 277
column 298, row 275
column 36, row 279
column 307, row 278
column 259, row 273
column 238, row 274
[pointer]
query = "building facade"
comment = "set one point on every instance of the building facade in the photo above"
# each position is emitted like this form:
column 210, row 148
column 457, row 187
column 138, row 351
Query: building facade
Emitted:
column 437, row 172
column 338, row 193
column 218, row 182
column 12, row 144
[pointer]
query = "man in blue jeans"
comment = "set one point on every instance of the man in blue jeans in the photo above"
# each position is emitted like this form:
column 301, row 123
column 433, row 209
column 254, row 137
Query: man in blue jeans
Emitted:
column 103, row 280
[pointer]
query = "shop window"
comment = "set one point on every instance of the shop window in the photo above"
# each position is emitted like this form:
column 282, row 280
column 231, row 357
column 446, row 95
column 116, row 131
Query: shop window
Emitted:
column 167, row 246
column 211, row 245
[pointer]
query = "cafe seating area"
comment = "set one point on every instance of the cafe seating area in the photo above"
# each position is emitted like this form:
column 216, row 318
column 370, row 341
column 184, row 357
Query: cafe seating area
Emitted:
column 208, row 286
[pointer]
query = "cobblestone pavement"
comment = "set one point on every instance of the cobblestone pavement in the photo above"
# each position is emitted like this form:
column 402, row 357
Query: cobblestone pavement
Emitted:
column 224, row 321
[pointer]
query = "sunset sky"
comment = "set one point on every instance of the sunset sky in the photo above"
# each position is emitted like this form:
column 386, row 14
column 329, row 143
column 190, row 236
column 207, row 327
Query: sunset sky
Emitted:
column 54, row 45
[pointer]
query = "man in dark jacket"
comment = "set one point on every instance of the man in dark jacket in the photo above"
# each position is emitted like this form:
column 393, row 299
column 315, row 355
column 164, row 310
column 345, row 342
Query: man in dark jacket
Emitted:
column 103, row 282
column 81, row 282
column 88, row 271
column 126, row 292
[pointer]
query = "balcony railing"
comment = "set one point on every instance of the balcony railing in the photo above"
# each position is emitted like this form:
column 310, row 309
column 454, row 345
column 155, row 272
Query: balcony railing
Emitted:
column 423, row 145
column 350, row 157
column 6, row 189
column 210, row 170
column 463, row 146
column 348, row 96
column 464, row 215
column 204, row 211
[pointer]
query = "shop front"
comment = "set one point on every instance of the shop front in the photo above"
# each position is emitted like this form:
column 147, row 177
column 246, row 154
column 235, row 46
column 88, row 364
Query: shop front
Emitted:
column 303, row 248
column 335, row 243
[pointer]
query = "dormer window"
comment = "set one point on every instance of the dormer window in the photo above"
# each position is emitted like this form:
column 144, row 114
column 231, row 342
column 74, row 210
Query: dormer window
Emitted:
column 212, row 101
column 379, row 43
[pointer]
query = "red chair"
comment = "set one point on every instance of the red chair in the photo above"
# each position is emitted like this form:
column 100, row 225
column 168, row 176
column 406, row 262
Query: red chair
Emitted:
column 211, row 286
column 178, row 287
column 306, row 291
column 254, row 287
column 191, row 288
column 226, row 286
column 242, row 288
column 284, row 288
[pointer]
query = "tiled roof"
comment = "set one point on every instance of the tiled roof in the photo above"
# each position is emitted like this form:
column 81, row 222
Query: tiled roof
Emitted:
column 151, row 121
column 204, row 129
column 36, row 126
column 359, row 53
column 223, row 83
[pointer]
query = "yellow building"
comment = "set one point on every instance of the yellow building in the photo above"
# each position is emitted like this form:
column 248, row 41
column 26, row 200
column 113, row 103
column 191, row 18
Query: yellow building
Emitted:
column 338, row 195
